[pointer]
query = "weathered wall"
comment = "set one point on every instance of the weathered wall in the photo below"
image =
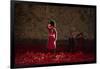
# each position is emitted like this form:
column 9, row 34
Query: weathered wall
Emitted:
column 32, row 20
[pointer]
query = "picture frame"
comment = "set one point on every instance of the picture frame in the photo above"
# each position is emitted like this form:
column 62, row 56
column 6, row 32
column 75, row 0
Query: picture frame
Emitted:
column 31, row 45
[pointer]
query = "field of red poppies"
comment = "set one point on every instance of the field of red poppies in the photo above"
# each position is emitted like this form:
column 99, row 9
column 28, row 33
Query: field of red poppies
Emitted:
column 30, row 58
column 27, row 55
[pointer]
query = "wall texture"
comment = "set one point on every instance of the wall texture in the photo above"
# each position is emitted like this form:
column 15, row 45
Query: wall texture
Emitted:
column 31, row 20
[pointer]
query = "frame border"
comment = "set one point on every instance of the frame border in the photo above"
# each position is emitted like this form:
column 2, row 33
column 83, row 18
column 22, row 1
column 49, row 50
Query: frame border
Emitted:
column 12, row 32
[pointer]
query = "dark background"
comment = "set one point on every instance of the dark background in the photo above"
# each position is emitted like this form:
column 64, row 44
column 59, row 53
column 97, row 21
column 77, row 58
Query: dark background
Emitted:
column 32, row 19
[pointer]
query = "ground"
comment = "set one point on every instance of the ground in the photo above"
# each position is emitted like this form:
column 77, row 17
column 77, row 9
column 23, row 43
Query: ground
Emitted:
column 26, row 56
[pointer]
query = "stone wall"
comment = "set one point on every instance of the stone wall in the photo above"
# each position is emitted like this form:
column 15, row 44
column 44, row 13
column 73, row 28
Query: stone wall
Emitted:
column 31, row 20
